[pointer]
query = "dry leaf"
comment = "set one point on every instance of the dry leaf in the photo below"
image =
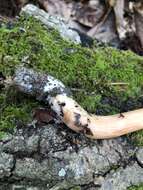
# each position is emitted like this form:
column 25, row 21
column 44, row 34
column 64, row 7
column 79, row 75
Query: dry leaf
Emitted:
column 138, row 14
column 43, row 115
column 119, row 17
column 89, row 14
column 44, row 4
column 58, row 7
column 105, row 31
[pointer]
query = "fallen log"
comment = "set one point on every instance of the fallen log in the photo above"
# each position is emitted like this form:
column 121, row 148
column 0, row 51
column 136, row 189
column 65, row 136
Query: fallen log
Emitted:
column 52, row 91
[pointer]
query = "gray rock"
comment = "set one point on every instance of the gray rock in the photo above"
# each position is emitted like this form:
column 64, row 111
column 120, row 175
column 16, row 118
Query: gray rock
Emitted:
column 47, row 155
column 21, row 143
column 1, row 146
column 139, row 156
column 52, row 22
column 123, row 178
column 12, row 186
column 52, row 144
column 6, row 165
column 15, row 145
column 45, row 171
column 5, row 186
column 32, row 143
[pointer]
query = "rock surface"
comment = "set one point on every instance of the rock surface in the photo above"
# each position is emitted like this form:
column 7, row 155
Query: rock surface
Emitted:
column 48, row 157
column 52, row 22
column 123, row 178
column 140, row 156
column 6, row 164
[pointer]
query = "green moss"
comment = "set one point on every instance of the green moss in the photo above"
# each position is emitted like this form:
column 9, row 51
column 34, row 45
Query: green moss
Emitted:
column 136, row 188
column 14, row 111
column 137, row 138
column 2, row 134
column 103, row 80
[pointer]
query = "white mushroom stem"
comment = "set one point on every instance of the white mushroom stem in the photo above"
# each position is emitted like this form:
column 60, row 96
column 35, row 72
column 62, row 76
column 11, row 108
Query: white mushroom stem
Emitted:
column 97, row 127
column 53, row 92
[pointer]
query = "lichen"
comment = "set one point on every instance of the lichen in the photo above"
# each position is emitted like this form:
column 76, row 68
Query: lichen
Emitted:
column 103, row 80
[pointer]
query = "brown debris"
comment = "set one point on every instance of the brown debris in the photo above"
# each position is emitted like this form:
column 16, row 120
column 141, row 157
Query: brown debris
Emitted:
column 43, row 115
column 121, row 115
column 138, row 15
column 89, row 14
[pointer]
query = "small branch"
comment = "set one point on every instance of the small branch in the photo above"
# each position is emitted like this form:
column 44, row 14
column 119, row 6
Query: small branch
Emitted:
column 52, row 91
column 118, row 83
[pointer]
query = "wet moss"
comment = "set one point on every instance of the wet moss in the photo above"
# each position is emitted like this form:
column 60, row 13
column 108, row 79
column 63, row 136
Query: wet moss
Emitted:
column 103, row 80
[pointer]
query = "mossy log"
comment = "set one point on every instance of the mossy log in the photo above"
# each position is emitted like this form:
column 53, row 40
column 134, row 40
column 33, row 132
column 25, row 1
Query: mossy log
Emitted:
column 103, row 80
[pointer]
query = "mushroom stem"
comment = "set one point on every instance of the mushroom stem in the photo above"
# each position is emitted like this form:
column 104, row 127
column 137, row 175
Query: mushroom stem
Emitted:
column 117, row 125
column 98, row 127
column 53, row 92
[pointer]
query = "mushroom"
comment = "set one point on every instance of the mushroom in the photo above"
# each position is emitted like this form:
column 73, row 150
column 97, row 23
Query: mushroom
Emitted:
column 52, row 91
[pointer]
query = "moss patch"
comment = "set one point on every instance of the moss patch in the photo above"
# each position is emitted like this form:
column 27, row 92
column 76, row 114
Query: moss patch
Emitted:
column 103, row 80
column 136, row 187
column 15, row 110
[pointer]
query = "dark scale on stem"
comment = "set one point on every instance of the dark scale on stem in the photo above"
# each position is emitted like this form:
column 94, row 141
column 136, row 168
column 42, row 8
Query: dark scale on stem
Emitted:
column 84, row 128
column 88, row 120
column 87, row 131
column 77, row 119
column 61, row 105
column 51, row 104
column 61, row 112
column 121, row 115
column 85, row 125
